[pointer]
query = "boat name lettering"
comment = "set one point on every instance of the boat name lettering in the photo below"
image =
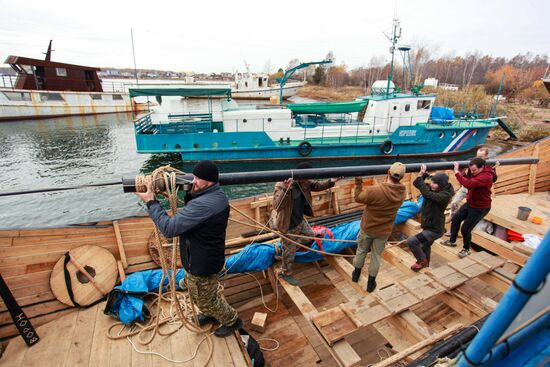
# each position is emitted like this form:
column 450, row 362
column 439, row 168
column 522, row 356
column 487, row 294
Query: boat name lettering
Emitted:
column 407, row 133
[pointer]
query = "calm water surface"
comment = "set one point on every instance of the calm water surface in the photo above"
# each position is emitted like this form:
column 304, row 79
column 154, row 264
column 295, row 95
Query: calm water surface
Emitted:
column 83, row 150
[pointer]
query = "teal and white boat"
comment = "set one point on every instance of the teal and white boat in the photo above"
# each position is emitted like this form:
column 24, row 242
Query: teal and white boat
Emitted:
column 386, row 124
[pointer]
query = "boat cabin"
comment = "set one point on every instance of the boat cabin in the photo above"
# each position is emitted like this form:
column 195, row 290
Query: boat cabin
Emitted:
column 246, row 81
column 35, row 74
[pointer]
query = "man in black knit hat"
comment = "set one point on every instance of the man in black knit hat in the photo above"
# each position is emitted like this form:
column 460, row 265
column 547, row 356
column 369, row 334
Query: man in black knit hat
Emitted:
column 435, row 197
column 201, row 226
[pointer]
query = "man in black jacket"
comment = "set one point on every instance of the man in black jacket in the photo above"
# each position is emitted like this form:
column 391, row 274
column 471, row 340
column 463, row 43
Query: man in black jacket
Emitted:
column 436, row 197
column 201, row 226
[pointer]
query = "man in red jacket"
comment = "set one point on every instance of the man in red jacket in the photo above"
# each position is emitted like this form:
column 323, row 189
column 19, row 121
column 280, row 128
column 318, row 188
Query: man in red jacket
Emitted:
column 478, row 202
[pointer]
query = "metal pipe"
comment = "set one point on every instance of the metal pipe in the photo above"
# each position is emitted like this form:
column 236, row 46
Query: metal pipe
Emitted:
column 241, row 178
column 527, row 281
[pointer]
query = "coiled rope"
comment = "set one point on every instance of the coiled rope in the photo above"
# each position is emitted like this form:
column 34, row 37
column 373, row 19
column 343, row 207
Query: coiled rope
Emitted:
column 182, row 308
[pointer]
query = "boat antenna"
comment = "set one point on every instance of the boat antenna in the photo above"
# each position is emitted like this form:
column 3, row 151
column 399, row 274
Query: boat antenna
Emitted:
column 395, row 35
column 49, row 52
column 134, row 54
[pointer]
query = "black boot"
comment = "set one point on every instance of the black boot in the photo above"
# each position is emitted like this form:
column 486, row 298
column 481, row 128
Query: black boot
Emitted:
column 371, row 285
column 225, row 330
column 355, row 275
column 205, row 320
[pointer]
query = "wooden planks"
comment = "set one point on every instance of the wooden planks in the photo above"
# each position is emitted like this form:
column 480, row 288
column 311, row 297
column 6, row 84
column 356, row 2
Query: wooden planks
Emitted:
column 80, row 340
column 340, row 349
column 401, row 296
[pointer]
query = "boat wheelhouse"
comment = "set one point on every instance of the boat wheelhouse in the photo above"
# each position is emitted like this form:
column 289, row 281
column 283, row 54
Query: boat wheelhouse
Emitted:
column 375, row 126
column 45, row 88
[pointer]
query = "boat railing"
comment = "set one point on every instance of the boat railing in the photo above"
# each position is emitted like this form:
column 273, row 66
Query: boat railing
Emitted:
column 9, row 81
column 144, row 125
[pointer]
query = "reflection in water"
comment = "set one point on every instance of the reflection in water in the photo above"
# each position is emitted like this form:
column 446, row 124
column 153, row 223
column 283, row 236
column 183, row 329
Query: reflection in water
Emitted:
column 89, row 149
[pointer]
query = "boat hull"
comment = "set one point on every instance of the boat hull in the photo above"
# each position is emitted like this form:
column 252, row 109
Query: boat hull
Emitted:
column 405, row 142
column 39, row 104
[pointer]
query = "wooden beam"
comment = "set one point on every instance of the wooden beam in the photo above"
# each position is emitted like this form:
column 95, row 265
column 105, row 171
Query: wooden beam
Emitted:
column 469, row 311
column 120, row 245
column 498, row 246
column 414, row 348
column 412, row 326
column 341, row 350
column 496, row 281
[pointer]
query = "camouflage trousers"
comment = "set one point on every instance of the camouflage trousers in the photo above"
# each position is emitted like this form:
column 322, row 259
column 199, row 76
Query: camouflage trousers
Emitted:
column 205, row 295
column 289, row 248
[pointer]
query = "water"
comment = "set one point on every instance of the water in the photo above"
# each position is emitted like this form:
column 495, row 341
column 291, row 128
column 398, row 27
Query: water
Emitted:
column 89, row 149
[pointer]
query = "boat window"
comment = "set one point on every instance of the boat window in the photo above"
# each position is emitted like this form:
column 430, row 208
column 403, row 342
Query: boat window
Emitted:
column 61, row 71
column 246, row 84
column 51, row 97
column 394, row 108
column 96, row 96
column 441, row 135
column 196, row 145
column 244, row 120
column 17, row 96
column 269, row 119
column 407, row 107
column 453, row 134
column 117, row 97
column 423, row 104
column 26, row 68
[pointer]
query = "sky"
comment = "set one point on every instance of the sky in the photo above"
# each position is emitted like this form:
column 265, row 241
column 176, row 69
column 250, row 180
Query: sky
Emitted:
column 215, row 36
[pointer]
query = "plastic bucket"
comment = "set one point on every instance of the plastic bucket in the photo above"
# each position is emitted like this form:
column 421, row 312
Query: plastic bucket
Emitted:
column 523, row 212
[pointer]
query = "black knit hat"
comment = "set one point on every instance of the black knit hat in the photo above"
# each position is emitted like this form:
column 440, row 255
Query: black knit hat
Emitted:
column 206, row 170
column 441, row 179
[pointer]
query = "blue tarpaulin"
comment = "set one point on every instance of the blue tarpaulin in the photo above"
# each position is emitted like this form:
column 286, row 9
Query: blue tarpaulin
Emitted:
column 129, row 308
column 254, row 257
column 442, row 114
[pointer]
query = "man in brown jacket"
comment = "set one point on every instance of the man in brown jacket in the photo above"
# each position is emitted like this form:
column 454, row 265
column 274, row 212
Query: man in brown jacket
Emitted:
column 291, row 200
column 381, row 205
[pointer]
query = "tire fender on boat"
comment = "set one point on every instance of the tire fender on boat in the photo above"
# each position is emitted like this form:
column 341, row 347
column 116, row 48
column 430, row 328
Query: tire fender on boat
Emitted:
column 386, row 147
column 305, row 148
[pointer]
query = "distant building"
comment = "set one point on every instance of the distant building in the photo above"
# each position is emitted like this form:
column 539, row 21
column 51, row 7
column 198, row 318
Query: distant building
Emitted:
column 433, row 82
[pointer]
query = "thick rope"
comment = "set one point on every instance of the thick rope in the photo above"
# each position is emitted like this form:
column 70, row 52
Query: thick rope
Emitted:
column 182, row 308
column 285, row 236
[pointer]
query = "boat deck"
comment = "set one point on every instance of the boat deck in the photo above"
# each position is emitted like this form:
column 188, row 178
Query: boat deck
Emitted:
column 80, row 339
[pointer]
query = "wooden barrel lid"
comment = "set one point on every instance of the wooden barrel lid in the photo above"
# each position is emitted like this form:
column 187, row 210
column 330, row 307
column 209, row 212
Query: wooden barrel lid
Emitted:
column 99, row 262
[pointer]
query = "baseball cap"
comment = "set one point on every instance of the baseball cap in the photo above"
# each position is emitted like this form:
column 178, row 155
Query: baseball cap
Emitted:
column 397, row 170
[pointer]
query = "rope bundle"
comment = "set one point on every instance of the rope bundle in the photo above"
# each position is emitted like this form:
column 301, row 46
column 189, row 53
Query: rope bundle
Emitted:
column 182, row 311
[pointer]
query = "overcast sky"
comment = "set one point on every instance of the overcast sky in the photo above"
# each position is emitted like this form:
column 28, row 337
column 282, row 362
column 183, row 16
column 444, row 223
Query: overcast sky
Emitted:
column 214, row 36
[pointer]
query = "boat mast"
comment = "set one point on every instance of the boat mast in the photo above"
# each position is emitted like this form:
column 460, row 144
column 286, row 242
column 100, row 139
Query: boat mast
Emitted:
column 134, row 54
column 395, row 35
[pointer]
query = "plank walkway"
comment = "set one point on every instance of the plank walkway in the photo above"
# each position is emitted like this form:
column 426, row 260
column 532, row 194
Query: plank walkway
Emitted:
column 80, row 339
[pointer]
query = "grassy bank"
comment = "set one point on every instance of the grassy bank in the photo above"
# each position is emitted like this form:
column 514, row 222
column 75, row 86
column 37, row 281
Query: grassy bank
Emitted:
column 527, row 121
column 327, row 94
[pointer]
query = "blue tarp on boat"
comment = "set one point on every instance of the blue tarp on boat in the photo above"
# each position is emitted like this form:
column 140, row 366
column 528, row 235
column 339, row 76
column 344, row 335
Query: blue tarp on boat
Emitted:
column 442, row 114
column 254, row 257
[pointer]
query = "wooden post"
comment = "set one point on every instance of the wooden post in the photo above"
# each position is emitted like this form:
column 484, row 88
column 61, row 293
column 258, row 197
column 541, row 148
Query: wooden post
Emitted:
column 120, row 245
column 533, row 172
column 121, row 272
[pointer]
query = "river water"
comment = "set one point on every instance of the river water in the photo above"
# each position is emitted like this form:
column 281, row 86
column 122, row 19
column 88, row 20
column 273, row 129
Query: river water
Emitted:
column 89, row 149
